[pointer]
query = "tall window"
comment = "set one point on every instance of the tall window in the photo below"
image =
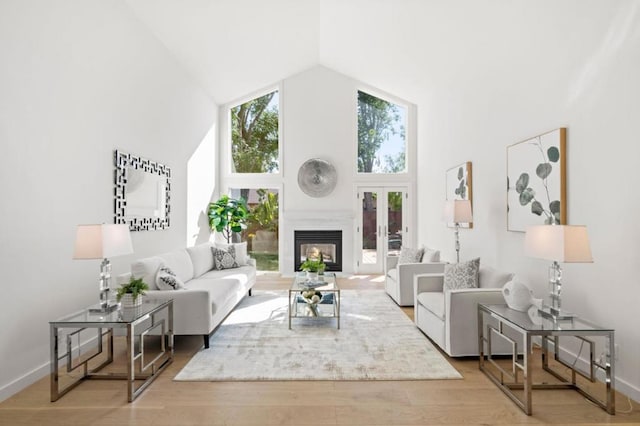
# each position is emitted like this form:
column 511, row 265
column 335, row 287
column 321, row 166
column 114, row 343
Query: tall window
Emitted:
column 262, row 227
column 254, row 135
column 381, row 135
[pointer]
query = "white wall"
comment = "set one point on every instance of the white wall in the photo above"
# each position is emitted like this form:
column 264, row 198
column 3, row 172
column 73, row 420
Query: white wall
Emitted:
column 487, row 74
column 79, row 79
column 318, row 111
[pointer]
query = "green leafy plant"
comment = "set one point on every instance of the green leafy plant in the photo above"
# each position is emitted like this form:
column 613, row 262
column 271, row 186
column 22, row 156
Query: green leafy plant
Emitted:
column 228, row 215
column 136, row 287
column 528, row 194
column 313, row 265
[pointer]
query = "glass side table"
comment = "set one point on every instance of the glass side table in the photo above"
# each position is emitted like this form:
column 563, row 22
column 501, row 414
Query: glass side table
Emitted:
column 139, row 323
column 505, row 323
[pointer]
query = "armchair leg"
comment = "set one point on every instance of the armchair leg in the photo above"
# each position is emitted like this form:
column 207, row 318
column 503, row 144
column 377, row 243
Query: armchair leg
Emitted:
column 249, row 292
column 206, row 341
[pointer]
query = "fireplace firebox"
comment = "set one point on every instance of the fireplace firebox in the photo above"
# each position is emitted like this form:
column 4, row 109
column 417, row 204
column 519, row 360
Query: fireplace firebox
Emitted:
column 309, row 244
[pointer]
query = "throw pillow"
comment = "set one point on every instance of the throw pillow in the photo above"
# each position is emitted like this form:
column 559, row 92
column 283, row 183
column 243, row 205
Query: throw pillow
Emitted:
column 430, row 256
column 224, row 259
column 241, row 251
column 166, row 279
column 461, row 275
column 410, row 255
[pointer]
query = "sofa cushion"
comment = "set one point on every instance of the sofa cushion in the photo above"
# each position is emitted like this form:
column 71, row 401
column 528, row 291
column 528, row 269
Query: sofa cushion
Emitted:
column 430, row 255
column 166, row 279
column 410, row 255
column 224, row 258
column 433, row 301
column 492, row 278
column 147, row 268
column 201, row 258
column 243, row 275
column 461, row 275
column 242, row 258
column 180, row 262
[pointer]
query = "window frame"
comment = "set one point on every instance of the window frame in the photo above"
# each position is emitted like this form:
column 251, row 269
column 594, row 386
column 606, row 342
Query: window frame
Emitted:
column 226, row 147
column 410, row 139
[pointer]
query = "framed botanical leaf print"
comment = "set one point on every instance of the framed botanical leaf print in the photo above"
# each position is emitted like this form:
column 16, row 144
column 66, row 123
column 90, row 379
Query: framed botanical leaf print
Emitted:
column 536, row 181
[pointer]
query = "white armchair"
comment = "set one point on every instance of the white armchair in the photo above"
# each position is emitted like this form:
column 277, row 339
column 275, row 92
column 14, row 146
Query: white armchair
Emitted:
column 399, row 278
column 450, row 318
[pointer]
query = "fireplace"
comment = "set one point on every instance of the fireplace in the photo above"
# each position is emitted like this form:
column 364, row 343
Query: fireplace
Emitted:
column 309, row 244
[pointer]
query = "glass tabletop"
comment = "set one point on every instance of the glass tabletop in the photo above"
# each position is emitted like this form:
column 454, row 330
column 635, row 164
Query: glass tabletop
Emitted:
column 120, row 315
column 532, row 321
column 326, row 282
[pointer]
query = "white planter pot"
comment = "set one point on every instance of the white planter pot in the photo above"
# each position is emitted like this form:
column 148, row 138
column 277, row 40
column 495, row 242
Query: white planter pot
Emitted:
column 127, row 301
column 312, row 276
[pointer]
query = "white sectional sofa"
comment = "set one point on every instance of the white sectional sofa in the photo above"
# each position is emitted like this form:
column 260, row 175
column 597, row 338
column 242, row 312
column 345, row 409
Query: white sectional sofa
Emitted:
column 208, row 296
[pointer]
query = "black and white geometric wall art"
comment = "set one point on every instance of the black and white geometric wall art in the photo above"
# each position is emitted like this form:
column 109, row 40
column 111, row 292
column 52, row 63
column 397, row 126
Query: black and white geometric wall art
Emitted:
column 536, row 181
column 142, row 192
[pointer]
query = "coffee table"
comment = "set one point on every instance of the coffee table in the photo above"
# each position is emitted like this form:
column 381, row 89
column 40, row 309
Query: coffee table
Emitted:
column 329, row 305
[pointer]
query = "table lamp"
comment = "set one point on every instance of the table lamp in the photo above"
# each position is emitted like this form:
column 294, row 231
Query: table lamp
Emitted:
column 558, row 243
column 457, row 211
column 102, row 242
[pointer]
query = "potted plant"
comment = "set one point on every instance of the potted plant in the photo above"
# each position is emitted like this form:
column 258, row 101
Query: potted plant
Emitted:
column 228, row 215
column 312, row 267
column 130, row 293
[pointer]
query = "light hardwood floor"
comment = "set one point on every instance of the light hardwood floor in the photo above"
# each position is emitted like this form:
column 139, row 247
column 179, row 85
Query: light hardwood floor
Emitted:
column 473, row 400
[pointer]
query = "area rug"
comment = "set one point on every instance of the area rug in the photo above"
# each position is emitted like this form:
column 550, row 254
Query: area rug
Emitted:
column 376, row 341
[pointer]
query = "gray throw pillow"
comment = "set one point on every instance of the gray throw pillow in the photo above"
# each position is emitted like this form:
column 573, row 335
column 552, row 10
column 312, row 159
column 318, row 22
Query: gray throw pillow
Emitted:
column 224, row 259
column 461, row 275
column 410, row 255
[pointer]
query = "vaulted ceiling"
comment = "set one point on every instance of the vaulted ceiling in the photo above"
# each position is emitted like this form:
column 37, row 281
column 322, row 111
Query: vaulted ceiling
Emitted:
column 407, row 47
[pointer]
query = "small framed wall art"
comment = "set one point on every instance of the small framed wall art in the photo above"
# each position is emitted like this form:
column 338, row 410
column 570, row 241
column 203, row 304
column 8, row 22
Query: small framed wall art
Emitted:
column 459, row 187
column 536, row 181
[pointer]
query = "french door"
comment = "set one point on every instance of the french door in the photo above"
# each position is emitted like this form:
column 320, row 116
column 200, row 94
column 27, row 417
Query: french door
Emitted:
column 382, row 226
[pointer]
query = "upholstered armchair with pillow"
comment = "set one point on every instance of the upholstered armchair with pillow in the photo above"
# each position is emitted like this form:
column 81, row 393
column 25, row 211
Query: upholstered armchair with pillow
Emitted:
column 447, row 303
column 400, row 270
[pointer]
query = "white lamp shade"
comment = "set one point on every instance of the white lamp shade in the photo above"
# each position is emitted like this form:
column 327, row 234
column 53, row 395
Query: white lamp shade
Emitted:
column 102, row 241
column 560, row 243
column 457, row 211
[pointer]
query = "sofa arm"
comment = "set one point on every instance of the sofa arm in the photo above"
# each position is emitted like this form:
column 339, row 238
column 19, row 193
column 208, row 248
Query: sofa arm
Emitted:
column 406, row 271
column 461, row 313
column 427, row 282
column 192, row 309
column 251, row 262
column 392, row 262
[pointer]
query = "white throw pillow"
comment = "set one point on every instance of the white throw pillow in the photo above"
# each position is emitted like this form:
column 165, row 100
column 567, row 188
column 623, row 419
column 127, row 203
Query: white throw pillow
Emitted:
column 410, row 255
column 224, row 259
column 147, row 268
column 166, row 279
column 461, row 275
column 201, row 257
column 430, row 256
column 242, row 258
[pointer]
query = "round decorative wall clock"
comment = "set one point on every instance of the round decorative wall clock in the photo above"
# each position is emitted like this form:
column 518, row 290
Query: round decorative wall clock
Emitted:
column 317, row 178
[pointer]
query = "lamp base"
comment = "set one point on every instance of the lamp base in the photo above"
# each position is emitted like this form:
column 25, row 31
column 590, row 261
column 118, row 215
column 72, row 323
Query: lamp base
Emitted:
column 553, row 314
column 104, row 309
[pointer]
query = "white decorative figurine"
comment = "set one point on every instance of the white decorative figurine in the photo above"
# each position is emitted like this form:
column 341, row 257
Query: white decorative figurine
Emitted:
column 517, row 295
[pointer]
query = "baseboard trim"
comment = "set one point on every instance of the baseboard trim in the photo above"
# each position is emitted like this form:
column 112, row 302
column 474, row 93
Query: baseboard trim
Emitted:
column 24, row 381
